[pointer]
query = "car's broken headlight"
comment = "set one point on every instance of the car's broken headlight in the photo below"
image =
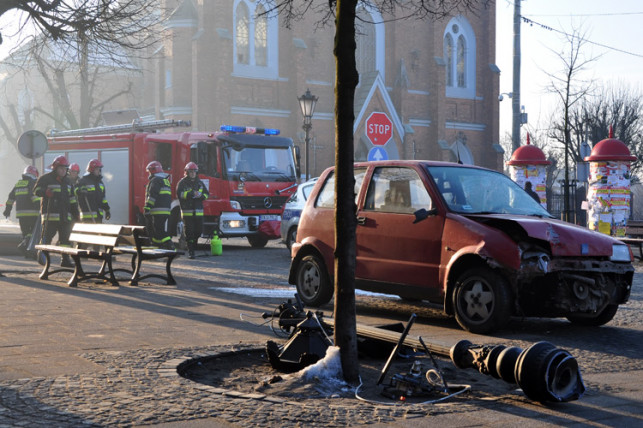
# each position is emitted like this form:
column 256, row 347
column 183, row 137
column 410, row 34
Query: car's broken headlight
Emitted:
column 620, row 253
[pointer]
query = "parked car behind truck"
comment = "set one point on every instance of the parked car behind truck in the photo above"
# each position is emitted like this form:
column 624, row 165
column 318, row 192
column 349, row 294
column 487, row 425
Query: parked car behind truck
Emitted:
column 292, row 212
column 466, row 237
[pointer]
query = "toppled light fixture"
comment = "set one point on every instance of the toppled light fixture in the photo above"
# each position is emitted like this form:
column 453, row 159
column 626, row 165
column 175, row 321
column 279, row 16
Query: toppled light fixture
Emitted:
column 543, row 371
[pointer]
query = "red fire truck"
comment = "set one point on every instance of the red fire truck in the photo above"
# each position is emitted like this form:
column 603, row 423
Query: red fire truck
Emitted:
column 250, row 172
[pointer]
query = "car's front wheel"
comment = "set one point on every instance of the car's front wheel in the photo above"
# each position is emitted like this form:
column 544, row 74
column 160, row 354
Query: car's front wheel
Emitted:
column 482, row 300
column 291, row 237
column 313, row 283
column 601, row 318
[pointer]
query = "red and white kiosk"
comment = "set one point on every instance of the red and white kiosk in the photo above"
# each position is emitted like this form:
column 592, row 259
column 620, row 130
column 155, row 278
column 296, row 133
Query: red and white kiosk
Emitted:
column 528, row 164
column 608, row 196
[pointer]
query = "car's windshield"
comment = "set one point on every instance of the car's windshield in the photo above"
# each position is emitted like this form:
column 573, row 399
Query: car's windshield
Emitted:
column 479, row 191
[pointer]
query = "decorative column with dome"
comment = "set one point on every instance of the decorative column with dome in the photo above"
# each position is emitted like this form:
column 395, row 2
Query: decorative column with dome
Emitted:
column 528, row 164
column 608, row 196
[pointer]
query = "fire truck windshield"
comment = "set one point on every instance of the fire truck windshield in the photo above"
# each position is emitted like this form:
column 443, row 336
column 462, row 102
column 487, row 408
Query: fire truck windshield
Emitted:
column 260, row 164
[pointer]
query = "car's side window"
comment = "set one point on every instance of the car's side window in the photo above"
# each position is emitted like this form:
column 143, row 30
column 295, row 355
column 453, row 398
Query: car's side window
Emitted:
column 359, row 174
column 326, row 198
column 396, row 190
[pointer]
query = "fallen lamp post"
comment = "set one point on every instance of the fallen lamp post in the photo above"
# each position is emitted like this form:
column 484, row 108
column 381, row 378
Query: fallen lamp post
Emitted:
column 544, row 372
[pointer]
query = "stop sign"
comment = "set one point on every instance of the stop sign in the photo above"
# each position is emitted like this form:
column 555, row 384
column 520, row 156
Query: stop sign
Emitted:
column 379, row 128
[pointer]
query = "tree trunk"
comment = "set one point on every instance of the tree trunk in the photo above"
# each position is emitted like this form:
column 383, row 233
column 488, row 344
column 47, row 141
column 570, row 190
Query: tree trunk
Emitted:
column 345, row 221
column 83, row 63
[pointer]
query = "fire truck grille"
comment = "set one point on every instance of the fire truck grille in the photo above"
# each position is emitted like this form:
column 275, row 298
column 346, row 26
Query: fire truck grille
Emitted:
column 260, row 202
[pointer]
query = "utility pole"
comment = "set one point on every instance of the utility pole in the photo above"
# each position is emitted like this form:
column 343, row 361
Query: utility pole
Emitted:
column 515, row 100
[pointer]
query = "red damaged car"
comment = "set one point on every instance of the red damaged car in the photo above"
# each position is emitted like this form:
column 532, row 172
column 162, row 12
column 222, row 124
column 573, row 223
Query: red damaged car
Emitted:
column 465, row 237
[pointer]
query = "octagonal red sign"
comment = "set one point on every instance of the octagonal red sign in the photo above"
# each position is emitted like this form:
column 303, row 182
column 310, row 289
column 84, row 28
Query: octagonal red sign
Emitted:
column 379, row 128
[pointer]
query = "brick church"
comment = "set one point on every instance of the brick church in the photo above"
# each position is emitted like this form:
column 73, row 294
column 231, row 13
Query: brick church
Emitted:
column 227, row 62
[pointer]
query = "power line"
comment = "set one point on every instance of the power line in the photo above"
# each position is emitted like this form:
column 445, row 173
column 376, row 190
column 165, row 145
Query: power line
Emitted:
column 546, row 27
column 574, row 15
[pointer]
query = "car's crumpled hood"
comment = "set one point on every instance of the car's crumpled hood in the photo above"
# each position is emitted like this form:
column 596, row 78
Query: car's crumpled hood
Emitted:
column 565, row 239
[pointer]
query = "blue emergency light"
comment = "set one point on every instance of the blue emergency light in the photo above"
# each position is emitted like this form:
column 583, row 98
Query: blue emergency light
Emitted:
column 249, row 130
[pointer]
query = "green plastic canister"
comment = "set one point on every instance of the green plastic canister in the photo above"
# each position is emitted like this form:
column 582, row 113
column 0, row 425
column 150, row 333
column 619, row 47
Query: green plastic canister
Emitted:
column 216, row 247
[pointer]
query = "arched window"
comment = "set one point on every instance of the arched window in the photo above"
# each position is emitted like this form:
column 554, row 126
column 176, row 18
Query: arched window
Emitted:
column 261, row 37
column 255, row 41
column 460, row 58
column 242, row 28
column 369, row 55
column 461, row 66
column 448, row 55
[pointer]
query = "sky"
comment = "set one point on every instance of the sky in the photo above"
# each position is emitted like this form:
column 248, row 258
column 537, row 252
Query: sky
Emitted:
column 614, row 33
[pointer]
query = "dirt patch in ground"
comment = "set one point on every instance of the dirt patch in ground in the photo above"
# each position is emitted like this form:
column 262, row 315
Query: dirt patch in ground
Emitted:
column 251, row 372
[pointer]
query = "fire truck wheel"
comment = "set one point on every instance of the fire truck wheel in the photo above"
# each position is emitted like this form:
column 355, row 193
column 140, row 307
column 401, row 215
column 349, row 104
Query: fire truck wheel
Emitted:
column 257, row 241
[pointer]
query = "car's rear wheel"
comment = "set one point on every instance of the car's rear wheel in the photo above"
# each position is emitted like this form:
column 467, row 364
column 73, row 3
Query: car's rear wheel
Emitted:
column 257, row 241
column 291, row 237
column 482, row 300
column 313, row 283
column 601, row 318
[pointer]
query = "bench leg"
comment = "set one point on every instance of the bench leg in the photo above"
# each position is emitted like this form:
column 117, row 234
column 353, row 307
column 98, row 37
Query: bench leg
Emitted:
column 45, row 271
column 78, row 272
column 137, row 269
column 112, row 278
column 170, row 278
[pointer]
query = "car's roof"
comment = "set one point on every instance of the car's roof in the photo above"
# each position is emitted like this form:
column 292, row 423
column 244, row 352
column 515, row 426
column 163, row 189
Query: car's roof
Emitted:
column 416, row 162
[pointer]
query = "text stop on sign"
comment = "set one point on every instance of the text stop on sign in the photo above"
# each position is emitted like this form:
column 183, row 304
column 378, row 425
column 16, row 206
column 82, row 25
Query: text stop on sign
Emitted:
column 379, row 128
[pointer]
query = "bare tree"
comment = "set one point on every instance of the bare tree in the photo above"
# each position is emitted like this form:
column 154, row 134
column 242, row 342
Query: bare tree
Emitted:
column 121, row 23
column 570, row 88
column 619, row 106
column 83, row 37
column 346, row 80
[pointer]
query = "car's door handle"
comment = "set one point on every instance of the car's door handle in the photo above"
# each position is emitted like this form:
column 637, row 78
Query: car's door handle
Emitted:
column 361, row 220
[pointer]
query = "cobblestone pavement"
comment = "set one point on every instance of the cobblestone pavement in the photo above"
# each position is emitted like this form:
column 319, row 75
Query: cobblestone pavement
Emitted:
column 125, row 385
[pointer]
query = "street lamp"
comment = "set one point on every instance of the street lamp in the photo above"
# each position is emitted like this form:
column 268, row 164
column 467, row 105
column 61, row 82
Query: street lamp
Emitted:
column 307, row 103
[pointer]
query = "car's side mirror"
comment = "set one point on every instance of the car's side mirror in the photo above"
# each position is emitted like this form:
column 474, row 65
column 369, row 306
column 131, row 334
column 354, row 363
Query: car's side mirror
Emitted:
column 423, row 214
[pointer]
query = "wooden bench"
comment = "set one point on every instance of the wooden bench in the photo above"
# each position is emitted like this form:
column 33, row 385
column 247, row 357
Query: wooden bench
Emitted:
column 114, row 239
column 85, row 235
column 137, row 245
column 634, row 236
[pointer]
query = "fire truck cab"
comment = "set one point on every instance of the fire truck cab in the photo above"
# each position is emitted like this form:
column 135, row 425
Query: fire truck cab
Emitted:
column 250, row 172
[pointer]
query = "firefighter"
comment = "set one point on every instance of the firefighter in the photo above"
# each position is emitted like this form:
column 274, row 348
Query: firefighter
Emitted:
column 90, row 193
column 58, row 206
column 26, row 204
column 158, row 200
column 191, row 193
column 74, row 171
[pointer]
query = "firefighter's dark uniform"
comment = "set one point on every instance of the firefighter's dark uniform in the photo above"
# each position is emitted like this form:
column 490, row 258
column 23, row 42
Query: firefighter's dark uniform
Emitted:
column 191, row 193
column 27, row 205
column 90, row 193
column 158, row 202
column 58, row 211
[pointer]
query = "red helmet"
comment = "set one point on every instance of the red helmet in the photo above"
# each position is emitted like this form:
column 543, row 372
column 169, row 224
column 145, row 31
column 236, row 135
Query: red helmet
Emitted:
column 191, row 166
column 31, row 170
column 95, row 163
column 154, row 167
column 59, row 161
column 74, row 167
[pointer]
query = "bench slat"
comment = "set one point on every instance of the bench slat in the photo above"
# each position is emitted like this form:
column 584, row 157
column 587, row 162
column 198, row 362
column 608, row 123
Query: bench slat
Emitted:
column 61, row 250
column 98, row 228
column 81, row 238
